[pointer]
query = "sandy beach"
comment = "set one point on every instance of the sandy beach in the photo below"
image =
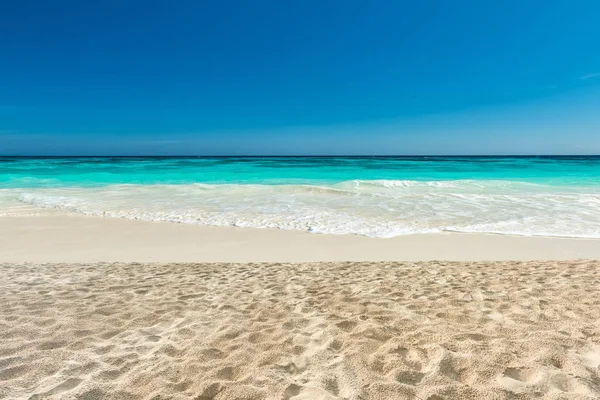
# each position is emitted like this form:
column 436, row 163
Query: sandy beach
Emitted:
column 102, row 308
column 280, row 200
column 426, row 330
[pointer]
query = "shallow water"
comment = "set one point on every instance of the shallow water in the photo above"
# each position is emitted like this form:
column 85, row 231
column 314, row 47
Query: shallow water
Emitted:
column 374, row 196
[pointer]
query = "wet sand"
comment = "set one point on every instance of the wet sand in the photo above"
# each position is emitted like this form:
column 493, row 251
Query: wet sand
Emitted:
column 75, row 238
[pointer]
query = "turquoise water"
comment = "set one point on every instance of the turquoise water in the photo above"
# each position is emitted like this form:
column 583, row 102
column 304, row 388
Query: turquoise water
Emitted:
column 52, row 172
column 374, row 196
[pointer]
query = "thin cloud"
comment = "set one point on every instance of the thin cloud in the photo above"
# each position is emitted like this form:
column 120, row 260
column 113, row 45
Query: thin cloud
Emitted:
column 589, row 76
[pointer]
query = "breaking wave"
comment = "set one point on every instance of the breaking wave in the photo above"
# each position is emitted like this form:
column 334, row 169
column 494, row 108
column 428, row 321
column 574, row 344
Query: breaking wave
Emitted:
column 378, row 208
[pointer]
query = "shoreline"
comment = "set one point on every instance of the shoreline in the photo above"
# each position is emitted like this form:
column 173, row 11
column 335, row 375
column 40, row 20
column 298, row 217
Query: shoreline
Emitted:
column 64, row 237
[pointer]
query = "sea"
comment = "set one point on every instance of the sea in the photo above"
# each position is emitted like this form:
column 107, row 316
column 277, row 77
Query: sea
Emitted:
column 371, row 196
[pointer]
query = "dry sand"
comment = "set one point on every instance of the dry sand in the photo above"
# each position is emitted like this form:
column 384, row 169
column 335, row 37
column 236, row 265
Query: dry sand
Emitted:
column 428, row 330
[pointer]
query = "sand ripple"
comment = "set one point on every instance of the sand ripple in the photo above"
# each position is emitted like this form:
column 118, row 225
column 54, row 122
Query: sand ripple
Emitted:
column 300, row 331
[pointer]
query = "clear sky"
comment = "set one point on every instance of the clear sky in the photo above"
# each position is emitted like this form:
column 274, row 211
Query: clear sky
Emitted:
column 299, row 77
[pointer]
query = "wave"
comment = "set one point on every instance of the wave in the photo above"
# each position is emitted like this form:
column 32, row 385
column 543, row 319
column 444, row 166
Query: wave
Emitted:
column 379, row 208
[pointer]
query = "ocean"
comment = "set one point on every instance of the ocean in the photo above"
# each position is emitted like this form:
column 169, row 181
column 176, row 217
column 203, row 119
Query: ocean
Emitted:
column 372, row 196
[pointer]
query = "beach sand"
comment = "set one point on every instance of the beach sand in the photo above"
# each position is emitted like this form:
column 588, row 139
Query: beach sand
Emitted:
column 63, row 237
column 302, row 331
column 98, row 308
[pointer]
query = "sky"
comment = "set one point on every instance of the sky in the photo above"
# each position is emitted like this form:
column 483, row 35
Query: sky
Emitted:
column 304, row 77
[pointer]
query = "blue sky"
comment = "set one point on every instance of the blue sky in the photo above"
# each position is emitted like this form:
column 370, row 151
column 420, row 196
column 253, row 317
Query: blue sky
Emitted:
column 299, row 77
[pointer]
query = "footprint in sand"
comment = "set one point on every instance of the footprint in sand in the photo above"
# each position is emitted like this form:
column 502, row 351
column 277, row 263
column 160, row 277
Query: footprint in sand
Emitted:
column 295, row 392
column 67, row 385
column 346, row 325
column 516, row 378
column 591, row 359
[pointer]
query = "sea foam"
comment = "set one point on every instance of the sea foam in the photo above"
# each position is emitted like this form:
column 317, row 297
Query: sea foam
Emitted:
column 378, row 208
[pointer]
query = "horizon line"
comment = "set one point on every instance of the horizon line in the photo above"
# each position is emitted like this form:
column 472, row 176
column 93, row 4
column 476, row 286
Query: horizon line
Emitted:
column 296, row 156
